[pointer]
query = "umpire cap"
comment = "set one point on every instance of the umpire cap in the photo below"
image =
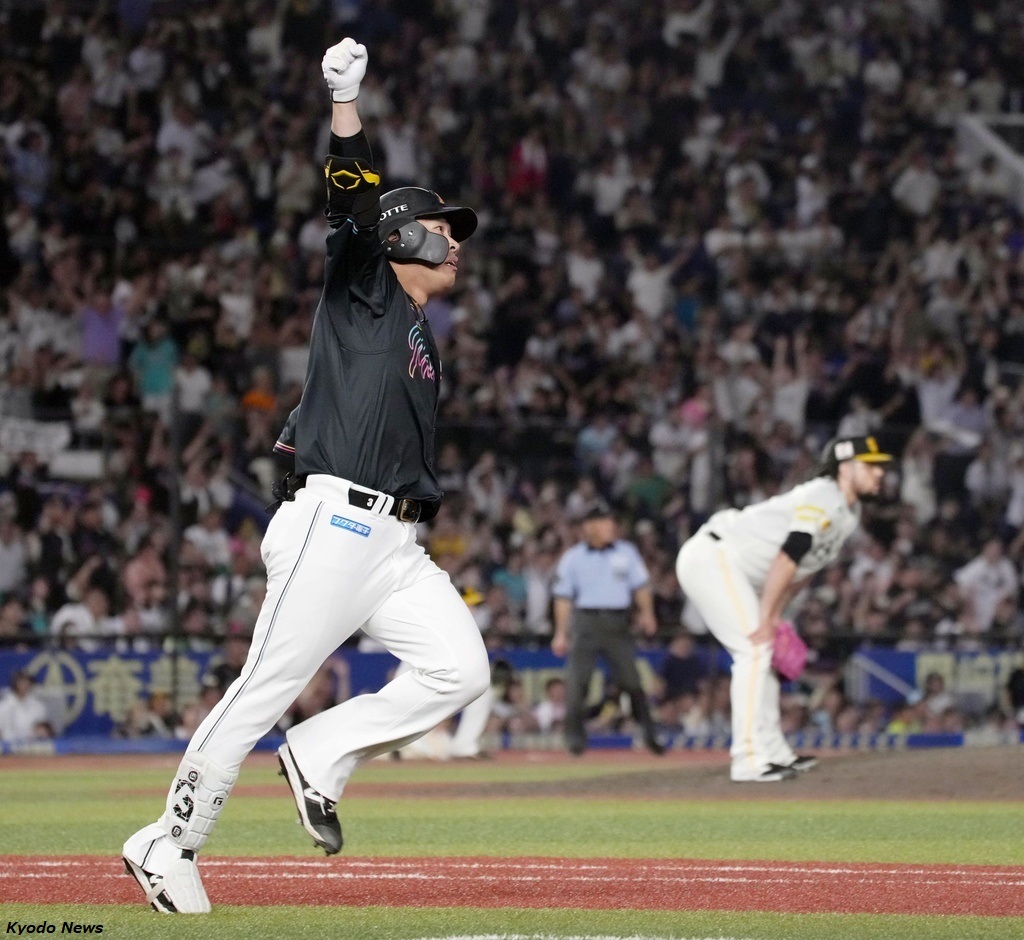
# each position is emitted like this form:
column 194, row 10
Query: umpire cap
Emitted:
column 840, row 449
column 399, row 211
column 598, row 509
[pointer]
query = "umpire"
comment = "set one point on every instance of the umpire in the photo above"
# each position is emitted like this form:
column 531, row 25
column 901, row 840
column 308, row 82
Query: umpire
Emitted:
column 596, row 584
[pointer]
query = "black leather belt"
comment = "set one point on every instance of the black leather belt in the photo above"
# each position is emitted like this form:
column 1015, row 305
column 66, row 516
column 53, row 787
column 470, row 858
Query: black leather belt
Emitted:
column 403, row 509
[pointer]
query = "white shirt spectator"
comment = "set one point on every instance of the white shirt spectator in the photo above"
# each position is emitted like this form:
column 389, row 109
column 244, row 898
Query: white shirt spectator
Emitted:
column 548, row 714
column 789, row 403
column 984, row 582
column 610, row 184
column 146, row 66
column 194, row 384
column 917, row 188
column 883, row 74
column 584, row 270
column 1014, row 514
column 213, row 543
column 987, row 478
column 671, row 443
column 77, row 620
column 472, row 18
column 313, row 235
column 19, row 717
column 989, row 179
column 13, row 558
column 401, row 148
column 935, row 394
column 690, row 20
column 182, row 132
column 649, row 286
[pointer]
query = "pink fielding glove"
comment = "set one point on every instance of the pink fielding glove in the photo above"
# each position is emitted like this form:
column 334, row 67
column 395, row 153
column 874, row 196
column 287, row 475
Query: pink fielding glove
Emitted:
column 789, row 652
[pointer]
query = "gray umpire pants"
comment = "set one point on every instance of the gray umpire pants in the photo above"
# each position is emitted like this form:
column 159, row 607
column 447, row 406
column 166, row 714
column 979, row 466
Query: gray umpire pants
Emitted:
column 607, row 633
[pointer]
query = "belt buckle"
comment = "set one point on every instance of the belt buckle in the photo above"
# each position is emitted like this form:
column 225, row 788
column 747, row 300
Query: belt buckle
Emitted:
column 408, row 510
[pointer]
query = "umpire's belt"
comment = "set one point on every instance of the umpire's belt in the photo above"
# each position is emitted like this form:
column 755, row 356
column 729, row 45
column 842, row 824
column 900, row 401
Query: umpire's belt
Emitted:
column 383, row 504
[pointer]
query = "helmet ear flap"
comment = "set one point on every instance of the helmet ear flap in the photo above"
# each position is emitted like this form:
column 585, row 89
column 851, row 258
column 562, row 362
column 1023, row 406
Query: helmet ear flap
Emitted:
column 415, row 243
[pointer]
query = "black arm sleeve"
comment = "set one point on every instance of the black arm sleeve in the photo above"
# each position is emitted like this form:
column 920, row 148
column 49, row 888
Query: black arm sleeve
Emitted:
column 797, row 545
column 353, row 187
column 356, row 147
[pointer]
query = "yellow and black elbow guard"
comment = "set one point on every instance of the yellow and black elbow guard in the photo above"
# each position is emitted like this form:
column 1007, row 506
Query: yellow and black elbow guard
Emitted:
column 353, row 190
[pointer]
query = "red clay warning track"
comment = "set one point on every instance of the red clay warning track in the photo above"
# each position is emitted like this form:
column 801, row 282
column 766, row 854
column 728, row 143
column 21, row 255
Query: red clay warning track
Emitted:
column 638, row 884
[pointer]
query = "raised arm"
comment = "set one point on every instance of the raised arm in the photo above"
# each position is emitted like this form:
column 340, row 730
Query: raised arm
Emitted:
column 353, row 187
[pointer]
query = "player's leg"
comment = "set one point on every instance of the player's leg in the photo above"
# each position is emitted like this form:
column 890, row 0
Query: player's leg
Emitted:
column 426, row 624
column 319, row 590
column 620, row 652
column 779, row 751
column 711, row 578
column 581, row 661
column 472, row 724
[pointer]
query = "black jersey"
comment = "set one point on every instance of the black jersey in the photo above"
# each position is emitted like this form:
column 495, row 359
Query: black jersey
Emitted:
column 369, row 404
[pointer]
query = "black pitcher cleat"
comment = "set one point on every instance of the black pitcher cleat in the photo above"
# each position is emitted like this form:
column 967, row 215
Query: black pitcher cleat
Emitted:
column 803, row 762
column 316, row 811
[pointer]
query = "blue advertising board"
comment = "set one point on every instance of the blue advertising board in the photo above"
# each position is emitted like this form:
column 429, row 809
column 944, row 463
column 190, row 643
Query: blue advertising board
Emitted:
column 90, row 693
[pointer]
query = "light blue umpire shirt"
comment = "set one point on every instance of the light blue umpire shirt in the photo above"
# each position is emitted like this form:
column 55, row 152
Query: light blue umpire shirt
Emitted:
column 600, row 578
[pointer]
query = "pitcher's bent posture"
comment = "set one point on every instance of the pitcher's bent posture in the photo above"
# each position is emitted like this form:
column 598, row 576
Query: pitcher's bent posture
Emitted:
column 742, row 567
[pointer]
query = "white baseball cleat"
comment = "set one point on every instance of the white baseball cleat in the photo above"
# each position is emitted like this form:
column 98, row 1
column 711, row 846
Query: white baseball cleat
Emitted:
column 168, row 875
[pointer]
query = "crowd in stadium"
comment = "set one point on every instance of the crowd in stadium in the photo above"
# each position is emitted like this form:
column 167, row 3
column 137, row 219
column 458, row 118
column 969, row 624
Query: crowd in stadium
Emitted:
column 708, row 243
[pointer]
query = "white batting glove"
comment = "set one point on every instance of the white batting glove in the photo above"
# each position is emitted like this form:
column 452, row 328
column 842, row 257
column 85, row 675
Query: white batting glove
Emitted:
column 344, row 66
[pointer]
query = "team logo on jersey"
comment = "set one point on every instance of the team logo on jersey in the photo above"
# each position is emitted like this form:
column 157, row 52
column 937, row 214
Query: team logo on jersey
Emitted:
column 420, row 365
column 350, row 525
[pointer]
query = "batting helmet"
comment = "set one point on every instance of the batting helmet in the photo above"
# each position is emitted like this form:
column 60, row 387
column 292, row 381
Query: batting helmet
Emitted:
column 840, row 449
column 399, row 211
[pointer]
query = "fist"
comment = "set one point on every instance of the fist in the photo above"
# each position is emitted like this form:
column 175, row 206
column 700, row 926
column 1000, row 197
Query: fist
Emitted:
column 344, row 66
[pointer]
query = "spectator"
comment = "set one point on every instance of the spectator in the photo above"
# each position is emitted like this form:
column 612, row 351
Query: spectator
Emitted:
column 984, row 582
column 511, row 712
column 151, row 718
column 549, row 712
column 23, row 713
column 13, row 555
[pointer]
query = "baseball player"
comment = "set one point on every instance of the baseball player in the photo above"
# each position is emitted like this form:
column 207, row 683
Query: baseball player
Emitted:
column 742, row 567
column 341, row 550
column 465, row 743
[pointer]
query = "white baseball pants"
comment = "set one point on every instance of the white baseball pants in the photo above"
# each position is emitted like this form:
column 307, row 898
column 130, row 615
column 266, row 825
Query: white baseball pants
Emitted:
column 710, row 576
column 331, row 569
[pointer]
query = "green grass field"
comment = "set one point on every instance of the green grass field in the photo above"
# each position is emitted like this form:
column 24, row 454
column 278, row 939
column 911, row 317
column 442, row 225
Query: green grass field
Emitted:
column 53, row 808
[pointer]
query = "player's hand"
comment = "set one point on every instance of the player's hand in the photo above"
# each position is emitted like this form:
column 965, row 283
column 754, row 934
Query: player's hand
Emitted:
column 647, row 623
column 344, row 66
column 765, row 633
column 559, row 644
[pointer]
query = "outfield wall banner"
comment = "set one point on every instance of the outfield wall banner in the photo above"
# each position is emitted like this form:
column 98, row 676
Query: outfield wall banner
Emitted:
column 90, row 693
column 975, row 679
